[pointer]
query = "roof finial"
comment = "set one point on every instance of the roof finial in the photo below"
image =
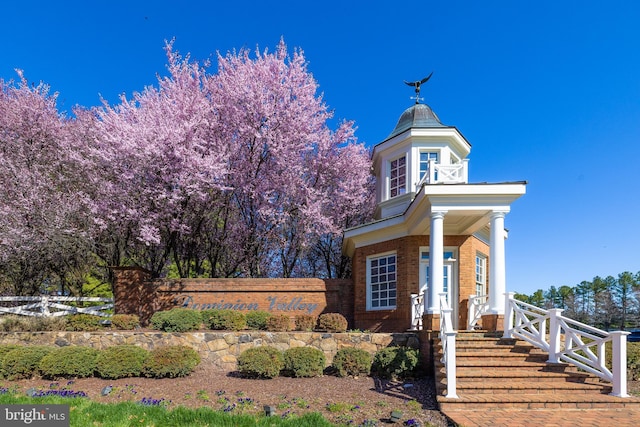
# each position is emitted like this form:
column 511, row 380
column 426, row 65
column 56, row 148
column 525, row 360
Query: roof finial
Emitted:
column 417, row 84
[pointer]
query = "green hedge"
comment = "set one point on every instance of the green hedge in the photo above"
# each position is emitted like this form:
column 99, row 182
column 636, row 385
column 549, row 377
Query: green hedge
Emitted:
column 69, row 362
column 23, row 361
column 304, row 362
column 227, row 320
column 396, row 362
column 121, row 361
column 261, row 362
column 352, row 361
column 171, row 362
column 177, row 320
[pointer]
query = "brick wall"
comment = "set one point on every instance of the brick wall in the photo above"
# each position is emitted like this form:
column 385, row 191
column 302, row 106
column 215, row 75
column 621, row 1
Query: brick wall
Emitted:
column 136, row 292
column 408, row 277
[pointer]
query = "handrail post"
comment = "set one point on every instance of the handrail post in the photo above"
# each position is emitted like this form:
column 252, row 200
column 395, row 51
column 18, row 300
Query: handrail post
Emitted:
column 619, row 362
column 554, row 334
column 44, row 307
column 471, row 315
column 451, row 364
column 508, row 315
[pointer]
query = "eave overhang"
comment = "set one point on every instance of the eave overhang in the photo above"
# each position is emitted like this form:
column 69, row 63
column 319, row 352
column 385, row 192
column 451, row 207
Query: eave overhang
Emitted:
column 468, row 209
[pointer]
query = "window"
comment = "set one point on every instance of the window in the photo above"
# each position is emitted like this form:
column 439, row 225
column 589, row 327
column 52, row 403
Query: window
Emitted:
column 382, row 282
column 398, row 172
column 481, row 274
column 425, row 156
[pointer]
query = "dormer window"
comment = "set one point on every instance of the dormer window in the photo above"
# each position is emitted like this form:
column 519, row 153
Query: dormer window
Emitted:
column 398, row 174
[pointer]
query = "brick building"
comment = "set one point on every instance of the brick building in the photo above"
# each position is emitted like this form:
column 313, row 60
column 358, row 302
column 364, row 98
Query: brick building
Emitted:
column 434, row 232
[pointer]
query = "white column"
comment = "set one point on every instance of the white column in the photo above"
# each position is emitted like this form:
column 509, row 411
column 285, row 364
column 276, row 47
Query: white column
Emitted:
column 436, row 261
column 497, row 266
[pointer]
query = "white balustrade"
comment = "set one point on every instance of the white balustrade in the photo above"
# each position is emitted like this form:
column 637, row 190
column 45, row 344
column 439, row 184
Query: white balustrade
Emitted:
column 569, row 341
column 417, row 311
column 448, row 340
column 445, row 174
column 478, row 305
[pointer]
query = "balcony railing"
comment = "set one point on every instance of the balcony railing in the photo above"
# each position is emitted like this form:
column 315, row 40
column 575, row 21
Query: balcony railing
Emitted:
column 436, row 173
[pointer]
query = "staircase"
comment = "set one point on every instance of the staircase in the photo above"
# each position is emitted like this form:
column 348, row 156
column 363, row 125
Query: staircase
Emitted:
column 497, row 374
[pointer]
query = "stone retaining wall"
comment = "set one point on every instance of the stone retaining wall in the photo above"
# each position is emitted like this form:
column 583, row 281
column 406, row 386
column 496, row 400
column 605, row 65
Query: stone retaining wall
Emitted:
column 219, row 348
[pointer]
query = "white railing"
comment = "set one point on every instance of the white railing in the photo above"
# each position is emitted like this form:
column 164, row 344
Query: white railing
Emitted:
column 569, row 341
column 448, row 340
column 445, row 174
column 49, row 306
column 478, row 305
column 417, row 311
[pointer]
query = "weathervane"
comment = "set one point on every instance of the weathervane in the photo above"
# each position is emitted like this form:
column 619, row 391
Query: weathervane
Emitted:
column 417, row 84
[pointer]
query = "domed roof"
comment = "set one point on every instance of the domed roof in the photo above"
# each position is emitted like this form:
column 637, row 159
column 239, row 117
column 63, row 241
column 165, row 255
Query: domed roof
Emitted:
column 416, row 116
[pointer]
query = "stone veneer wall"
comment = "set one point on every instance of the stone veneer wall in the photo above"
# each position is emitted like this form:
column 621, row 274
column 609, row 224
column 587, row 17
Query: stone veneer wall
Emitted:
column 221, row 349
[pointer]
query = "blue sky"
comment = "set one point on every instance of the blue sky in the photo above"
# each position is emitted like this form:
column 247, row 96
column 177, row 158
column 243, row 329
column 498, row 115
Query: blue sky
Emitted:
column 545, row 91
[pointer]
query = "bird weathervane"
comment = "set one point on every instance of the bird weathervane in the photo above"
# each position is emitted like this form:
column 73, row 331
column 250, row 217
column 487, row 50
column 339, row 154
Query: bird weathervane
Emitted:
column 417, row 85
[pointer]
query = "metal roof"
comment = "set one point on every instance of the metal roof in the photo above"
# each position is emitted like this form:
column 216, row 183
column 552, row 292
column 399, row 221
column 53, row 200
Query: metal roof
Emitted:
column 416, row 116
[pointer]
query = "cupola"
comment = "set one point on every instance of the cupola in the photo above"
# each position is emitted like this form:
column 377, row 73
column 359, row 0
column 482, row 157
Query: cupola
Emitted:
column 419, row 151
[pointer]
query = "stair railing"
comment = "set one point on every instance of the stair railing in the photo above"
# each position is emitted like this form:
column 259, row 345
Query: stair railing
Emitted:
column 448, row 340
column 417, row 310
column 569, row 341
column 478, row 305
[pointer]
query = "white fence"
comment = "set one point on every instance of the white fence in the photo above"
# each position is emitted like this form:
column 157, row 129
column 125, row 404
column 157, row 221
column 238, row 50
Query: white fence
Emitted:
column 51, row 306
column 569, row 341
column 448, row 340
column 478, row 305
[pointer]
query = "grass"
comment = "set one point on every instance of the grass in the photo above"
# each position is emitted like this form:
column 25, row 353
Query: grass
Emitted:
column 86, row 413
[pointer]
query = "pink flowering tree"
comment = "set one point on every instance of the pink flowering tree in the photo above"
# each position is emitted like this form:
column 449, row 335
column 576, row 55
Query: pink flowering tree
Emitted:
column 45, row 215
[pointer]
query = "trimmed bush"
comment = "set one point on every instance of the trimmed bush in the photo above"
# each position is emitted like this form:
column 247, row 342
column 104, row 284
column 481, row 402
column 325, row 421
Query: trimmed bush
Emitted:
column 121, row 361
column 125, row 322
column 228, row 320
column 257, row 319
column 171, row 362
column 279, row 323
column 176, row 320
column 83, row 322
column 352, row 361
column 23, row 361
column 332, row 322
column 304, row 362
column 395, row 362
column 261, row 362
column 72, row 361
column 10, row 323
column 305, row 322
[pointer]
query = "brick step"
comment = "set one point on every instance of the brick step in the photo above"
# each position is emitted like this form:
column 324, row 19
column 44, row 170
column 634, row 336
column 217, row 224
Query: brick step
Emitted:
column 507, row 365
column 530, row 376
column 536, row 401
column 481, row 355
column 476, row 387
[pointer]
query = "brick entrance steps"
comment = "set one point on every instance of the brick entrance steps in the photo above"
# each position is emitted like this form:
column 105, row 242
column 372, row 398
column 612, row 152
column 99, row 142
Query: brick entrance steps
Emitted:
column 499, row 374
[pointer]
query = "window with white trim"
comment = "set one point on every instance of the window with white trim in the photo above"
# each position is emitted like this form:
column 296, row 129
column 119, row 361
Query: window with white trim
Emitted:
column 481, row 274
column 425, row 156
column 398, row 175
column 381, row 282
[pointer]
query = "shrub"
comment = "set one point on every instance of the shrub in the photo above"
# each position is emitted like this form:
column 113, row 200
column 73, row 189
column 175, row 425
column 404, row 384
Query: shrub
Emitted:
column 352, row 361
column 23, row 362
column 121, row 361
column 261, row 362
column 31, row 324
column 83, row 322
column 176, row 320
column 257, row 319
column 305, row 322
column 72, row 361
column 171, row 362
column 126, row 322
column 332, row 322
column 395, row 362
column 230, row 320
column 279, row 323
column 304, row 362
